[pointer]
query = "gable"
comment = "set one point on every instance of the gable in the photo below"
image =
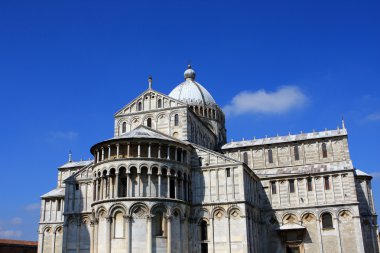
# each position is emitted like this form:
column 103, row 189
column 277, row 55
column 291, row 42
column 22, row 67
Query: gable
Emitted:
column 211, row 158
column 147, row 101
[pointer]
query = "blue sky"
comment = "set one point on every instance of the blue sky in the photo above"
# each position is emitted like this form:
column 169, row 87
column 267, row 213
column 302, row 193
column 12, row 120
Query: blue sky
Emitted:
column 67, row 66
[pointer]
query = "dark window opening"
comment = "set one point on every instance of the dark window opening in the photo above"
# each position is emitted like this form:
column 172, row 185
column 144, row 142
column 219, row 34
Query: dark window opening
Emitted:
column 291, row 185
column 204, row 247
column 270, row 156
column 309, row 184
column 324, row 150
column 228, row 172
column 296, row 153
column 327, row 221
column 327, row 183
column 149, row 122
column 58, row 205
column 124, row 128
column 203, row 228
column 159, row 103
column 139, row 106
column 172, row 188
column 176, row 120
column 274, row 188
column 76, row 186
column 245, row 157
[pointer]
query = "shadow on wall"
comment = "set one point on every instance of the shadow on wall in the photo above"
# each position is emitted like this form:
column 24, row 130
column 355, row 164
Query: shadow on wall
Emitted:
column 77, row 227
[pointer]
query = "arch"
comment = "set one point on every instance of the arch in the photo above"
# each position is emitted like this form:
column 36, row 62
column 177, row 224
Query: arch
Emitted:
column 289, row 218
column 139, row 210
column 177, row 209
column 149, row 122
column 234, row 212
column 117, row 207
column 344, row 214
column 100, row 210
column 308, row 217
column 159, row 222
column 203, row 230
column 327, row 220
column 218, row 212
column 58, row 229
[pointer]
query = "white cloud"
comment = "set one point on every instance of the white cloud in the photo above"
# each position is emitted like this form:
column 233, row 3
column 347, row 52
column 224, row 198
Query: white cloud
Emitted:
column 61, row 135
column 16, row 221
column 373, row 116
column 282, row 100
column 10, row 233
column 32, row 207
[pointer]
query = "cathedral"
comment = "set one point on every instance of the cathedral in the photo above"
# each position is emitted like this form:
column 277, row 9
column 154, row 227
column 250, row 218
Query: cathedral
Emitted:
column 167, row 181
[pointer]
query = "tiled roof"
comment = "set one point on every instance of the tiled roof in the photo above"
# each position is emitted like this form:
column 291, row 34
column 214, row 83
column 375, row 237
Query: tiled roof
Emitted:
column 17, row 242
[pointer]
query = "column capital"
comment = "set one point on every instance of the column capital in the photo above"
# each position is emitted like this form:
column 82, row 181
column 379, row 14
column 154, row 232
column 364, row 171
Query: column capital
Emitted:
column 127, row 217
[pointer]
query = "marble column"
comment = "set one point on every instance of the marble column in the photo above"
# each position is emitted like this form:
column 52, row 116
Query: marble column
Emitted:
column 102, row 153
column 109, row 152
column 117, row 151
column 149, row 186
column 138, row 185
column 108, row 234
column 128, row 150
column 149, row 150
column 116, row 185
column 92, row 231
column 159, row 184
column 168, row 153
column 149, row 234
column 95, row 238
column 168, row 185
column 97, row 156
column 138, row 150
column 128, row 240
column 169, row 234
column 159, row 151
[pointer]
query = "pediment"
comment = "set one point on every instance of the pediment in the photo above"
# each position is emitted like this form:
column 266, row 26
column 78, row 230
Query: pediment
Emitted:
column 149, row 100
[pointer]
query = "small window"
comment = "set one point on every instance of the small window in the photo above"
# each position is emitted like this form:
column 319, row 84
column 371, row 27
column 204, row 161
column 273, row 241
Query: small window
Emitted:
column 327, row 182
column 58, row 205
column 124, row 127
column 139, row 106
column 324, row 150
column 176, row 120
column 76, row 186
column 245, row 157
column 270, row 156
column 296, row 153
column 309, row 184
column 200, row 161
column 149, row 122
column 327, row 221
column 159, row 103
column 203, row 230
column 291, row 185
column 228, row 172
column 274, row 188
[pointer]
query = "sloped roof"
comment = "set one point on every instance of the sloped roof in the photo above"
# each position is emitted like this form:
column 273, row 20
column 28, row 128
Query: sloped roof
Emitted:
column 284, row 139
column 75, row 164
column 361, row 173
column 291, row 226
column 58, row 192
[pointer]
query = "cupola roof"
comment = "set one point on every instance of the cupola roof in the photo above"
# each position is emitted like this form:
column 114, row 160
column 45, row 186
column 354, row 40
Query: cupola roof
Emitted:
column 192, row 92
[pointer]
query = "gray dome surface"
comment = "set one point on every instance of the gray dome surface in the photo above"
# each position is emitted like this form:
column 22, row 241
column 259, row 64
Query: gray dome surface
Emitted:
column 191, row 92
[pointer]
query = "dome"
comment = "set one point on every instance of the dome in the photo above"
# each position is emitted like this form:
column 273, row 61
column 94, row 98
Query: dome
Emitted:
column 192, row 92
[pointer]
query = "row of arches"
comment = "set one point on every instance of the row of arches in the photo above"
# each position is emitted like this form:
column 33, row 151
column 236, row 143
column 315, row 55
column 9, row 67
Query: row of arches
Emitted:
column 157, row 182
column 143, row 149
column 160, row 122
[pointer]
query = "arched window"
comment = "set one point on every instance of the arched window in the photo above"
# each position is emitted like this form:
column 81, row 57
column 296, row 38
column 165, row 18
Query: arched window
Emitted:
column 139, row 106
column 296, row 153
column 228, row 172
column 245, row 157
column 327, row 221
column 159, row 103
column 149, row 122
column 159, row 224
column 203, row 230
column 270, row 156
column 324, row 150
column 124, row 127
column 327, row 182
column 176, row 120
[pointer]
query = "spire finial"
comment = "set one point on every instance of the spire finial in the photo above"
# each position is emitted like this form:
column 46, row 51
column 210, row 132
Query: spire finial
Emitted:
column 150, row 80
column 189, row 73
column 343, row 124
column 70, row 156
